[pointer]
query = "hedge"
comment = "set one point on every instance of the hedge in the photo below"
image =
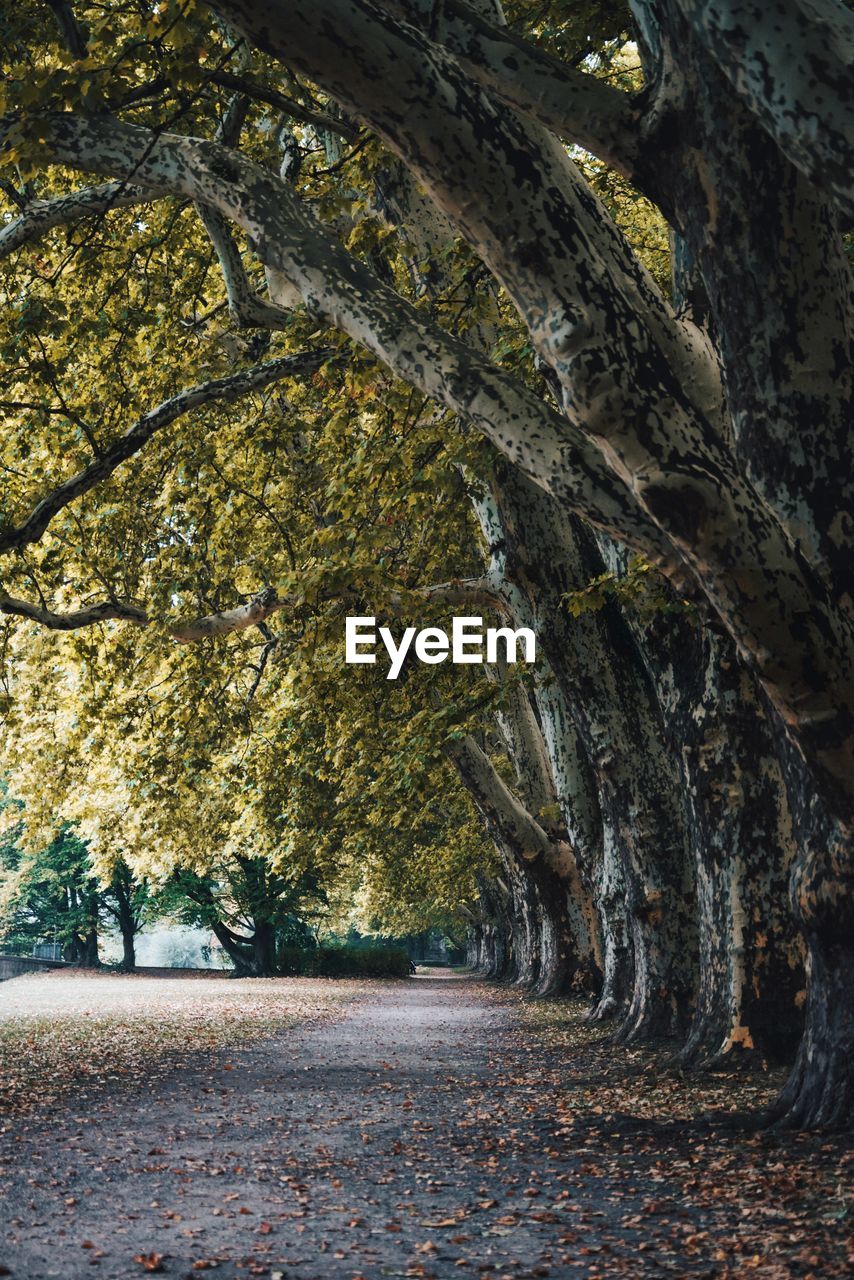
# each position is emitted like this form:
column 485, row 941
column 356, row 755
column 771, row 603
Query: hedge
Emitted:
column 344, row 962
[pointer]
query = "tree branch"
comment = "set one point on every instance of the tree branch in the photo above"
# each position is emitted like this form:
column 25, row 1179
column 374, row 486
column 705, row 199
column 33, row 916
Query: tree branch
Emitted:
column 40, row 216
column 573, row 104
column 73, row 621
column 504, row 812
column 70, row 29
column 251, row 614
column 218, row 389
column 340, row 288
column 261, row 93
column 791, row 61
column 271, row 642
column 464, row 592
column 244, row 305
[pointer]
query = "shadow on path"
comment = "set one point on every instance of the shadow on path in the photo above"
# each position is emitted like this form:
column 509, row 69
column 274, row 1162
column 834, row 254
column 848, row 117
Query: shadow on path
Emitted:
column 411, row 1137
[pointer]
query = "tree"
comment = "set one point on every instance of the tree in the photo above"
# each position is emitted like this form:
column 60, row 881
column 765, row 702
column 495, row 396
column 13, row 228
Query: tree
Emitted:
column 129, row 903
column 251, row 910
column 52, row 893
column 709, row 437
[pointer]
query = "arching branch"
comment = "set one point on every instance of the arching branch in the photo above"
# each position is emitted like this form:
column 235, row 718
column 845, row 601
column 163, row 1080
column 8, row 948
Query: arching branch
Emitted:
column 218, row 389
column 337, row 286
column 119, row 610
column 572, row 103
column 251, row 614
column 41, row 216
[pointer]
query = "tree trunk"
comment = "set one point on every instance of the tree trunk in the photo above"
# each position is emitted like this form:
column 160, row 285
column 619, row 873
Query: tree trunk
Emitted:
column 569, row 947
column 495, row 928
column 751, row 956
column 778, row 286
column 559, row 968
column 820, row 1090
column 618, row 977
column 128, row 950
column 751, row 961
column 127, row 920
column 239, row 951
column 524, row 924
column 88, row 954
column 264, row 948
column 544, row 556
column 475, row 948
column 575, row 789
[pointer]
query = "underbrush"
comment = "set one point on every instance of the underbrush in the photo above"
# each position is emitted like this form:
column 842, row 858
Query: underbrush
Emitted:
column 344, row 962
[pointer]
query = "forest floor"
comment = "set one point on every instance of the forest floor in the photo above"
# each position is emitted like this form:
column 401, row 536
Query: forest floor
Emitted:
column 436, row 1127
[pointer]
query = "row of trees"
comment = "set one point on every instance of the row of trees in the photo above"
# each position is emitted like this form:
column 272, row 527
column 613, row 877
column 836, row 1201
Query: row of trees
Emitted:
column 53, row 894
column 395, row 309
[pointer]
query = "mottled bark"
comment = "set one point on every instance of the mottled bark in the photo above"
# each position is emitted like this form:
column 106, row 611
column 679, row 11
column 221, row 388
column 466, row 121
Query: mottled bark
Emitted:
column 820, row 1090
column 539, row 871
column 578, row 799
column 751, row 982
column 618, row 963
column 570, row 945
column 539, row 556
column 765, row 242
column 790, row 62
column 524, row 968
column 494, row 928
column 40, row 216
column 635, row 379
column 564, row 99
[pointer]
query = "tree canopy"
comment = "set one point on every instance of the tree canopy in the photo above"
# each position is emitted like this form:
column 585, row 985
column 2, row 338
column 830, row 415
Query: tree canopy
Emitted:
column 380, row 307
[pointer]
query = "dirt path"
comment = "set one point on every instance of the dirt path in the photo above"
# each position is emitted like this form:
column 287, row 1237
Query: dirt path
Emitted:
column 407, row 1138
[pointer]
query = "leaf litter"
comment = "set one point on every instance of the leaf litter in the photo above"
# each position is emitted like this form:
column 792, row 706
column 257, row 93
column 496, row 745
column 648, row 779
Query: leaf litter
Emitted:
column 431, row 1129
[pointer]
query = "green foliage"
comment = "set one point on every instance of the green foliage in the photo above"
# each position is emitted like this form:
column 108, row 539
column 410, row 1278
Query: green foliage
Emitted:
column 51, row 894
column 641, row 588
column 342, row 491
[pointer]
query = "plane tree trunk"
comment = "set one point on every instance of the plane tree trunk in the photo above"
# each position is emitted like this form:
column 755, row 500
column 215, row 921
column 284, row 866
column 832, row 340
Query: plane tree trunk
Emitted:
column 751, row 978
column 570, row 944
column 494, row 929
column 538, row 865
column 819, row 1092
column 762, row 233
column 540, row 556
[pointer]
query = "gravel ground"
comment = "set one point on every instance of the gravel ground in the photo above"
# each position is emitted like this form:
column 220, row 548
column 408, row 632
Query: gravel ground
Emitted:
column 413, row 1133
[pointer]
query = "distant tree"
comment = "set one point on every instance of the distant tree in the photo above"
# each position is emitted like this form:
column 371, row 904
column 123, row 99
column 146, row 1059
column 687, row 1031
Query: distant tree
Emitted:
column 51, row 894
column 130, row 903
column 251, row 909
